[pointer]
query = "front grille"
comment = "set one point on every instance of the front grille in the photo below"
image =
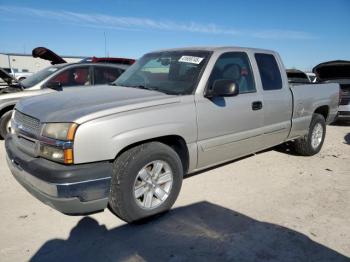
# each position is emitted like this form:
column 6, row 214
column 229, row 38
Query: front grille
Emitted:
column 27, row 123
column 26, row 146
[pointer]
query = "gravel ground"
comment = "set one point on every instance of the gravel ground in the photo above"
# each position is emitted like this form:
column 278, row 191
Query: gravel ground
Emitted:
column 272, row 206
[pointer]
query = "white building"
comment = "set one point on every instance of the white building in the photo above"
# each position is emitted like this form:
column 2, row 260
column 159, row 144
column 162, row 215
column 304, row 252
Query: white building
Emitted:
column 27, row 63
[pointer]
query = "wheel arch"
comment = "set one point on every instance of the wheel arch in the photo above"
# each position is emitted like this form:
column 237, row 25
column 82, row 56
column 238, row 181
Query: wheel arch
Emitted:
column 6, row 108
column 323, row 111
column 176, row 142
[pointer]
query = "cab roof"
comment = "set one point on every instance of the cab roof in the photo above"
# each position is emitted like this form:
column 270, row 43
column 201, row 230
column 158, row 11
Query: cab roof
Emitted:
column 218, row 48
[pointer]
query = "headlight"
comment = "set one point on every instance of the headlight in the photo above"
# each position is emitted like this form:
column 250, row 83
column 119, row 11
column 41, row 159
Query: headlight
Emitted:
column 62, row 149
column 60, row 131
column 57, row 154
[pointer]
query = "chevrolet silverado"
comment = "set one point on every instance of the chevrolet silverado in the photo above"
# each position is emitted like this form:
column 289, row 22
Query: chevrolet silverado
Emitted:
column 174, row 112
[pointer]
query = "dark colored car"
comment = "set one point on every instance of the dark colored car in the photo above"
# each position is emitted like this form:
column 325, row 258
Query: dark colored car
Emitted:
column 337, row 71
column 297, row 77
column 47, row 54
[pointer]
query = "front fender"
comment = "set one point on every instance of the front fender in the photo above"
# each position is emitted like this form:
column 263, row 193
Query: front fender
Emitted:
column 102, row 139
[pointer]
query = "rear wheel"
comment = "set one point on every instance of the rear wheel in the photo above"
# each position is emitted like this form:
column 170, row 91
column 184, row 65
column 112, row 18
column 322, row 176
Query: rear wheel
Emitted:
column 5, row 124
column 312, row 143
column 146, row 181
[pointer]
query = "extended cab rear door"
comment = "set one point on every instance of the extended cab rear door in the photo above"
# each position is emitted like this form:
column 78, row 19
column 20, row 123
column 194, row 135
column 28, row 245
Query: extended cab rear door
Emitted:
column 229, row 127
column 277, row 97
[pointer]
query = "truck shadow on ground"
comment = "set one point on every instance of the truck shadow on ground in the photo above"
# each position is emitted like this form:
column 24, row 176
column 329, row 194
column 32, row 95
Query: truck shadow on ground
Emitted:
column 286, row 148
column 341, row 123
column 198, row 232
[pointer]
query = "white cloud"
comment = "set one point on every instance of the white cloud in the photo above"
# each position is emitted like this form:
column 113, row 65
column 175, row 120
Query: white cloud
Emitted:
column 136, row 23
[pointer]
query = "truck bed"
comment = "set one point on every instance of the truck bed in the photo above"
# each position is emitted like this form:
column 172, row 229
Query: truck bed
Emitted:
column 305, row 103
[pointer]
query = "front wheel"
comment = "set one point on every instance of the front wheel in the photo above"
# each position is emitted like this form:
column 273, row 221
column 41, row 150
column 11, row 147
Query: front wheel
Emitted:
column 146, row 181
column 312, row 143
column 5, row 124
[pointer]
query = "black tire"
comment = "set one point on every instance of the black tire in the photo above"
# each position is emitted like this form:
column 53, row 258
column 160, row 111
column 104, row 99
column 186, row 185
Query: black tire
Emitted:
column 5, row 118
column 125, row 170
column 303, row 146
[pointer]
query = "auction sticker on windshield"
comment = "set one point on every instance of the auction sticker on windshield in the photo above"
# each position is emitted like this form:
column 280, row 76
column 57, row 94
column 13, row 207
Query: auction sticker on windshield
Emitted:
column 191, row 59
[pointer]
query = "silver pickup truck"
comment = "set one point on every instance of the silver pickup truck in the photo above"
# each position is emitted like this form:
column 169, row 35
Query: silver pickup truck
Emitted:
column 174, row 112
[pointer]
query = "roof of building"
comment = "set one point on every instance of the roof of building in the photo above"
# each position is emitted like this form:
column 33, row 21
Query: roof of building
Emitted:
column 30, row 55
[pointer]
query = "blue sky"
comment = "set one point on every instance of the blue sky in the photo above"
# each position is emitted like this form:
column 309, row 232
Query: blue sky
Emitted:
column 303, row 32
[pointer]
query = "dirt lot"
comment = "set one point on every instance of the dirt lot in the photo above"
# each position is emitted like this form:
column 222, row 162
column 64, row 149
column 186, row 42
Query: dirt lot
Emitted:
column 273, row 206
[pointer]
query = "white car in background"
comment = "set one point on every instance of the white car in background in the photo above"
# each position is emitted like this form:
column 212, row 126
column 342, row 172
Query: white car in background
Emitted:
column 312, row 77
column 16, row 74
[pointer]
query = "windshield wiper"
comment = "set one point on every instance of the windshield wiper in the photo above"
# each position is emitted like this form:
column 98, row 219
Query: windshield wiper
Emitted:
column 152, row 88
column 155, row 88
column 138, row 86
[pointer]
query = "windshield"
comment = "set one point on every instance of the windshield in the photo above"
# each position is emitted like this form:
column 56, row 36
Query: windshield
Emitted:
column 171, row 72
column 38, row 77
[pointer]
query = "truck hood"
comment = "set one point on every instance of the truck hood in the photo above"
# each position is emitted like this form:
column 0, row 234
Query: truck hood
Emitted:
column 10, row 90
column 47, row 54
column 86, row 103
column 332, row 70
column 16, row 93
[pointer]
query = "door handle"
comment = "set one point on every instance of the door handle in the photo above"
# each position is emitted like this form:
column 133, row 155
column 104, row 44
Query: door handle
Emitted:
column 257, row 105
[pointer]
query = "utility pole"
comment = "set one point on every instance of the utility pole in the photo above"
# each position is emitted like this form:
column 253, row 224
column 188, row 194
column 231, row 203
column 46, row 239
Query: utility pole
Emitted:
column 104, row 33
column 9, row 59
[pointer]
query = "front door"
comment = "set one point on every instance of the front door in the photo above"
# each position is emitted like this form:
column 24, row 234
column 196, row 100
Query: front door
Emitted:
column 229, row 127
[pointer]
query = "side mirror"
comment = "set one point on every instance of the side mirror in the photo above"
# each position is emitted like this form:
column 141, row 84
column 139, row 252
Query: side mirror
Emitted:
column 55, row 86
column 223, row 87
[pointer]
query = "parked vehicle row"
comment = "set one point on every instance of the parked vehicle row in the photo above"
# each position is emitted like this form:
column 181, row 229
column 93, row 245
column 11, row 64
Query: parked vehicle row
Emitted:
column 173, row 112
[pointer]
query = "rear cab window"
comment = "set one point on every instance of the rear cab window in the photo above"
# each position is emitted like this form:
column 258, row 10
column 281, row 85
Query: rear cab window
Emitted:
column 269, row 72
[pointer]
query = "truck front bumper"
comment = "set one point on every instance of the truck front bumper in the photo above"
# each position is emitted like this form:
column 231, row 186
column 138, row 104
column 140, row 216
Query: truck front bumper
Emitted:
column 76, row 189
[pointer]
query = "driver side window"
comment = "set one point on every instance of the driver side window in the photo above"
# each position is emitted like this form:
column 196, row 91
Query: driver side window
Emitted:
column 234, row 66
column 77, row 76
